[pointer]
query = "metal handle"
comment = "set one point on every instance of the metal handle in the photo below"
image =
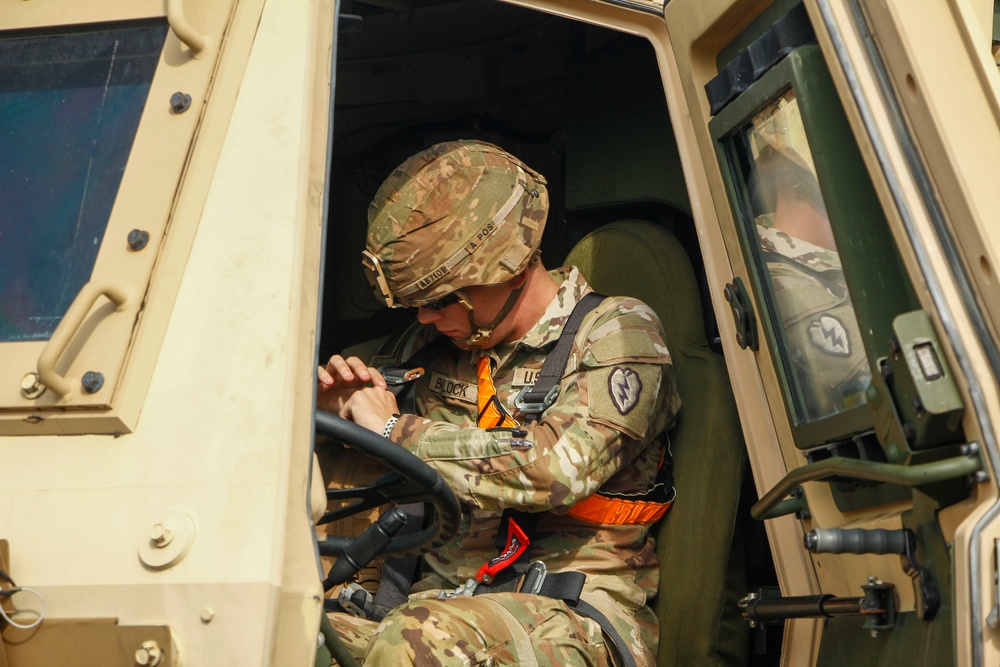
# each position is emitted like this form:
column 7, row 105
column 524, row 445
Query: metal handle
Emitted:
column 67, row 329
column 194, row 40
column 915, row 475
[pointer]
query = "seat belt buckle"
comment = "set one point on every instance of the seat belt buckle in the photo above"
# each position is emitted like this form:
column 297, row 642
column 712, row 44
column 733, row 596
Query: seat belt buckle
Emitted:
column 517, row 543
column 466, row 589
column 396, row 376
column 533, row 578
column 535, row 407
column 355, row 600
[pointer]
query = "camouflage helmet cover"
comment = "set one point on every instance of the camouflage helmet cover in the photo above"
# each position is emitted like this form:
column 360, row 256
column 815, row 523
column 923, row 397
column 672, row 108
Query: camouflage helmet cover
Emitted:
column 460, row 213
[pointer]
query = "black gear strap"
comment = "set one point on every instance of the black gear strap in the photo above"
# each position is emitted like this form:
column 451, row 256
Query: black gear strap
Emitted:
column 534, row 400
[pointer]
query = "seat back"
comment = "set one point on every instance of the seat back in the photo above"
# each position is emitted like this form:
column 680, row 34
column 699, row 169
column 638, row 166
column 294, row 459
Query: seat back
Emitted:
column 702, row 572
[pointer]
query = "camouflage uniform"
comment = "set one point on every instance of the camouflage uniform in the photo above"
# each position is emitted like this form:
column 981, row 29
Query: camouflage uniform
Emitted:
column 617, row 396
column 818, row 322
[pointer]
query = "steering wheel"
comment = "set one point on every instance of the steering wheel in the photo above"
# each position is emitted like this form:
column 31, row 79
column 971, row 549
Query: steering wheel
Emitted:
column 413, row 481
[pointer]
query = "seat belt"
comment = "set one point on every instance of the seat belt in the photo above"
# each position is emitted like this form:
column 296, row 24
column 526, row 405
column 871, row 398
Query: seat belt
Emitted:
column 534, row 400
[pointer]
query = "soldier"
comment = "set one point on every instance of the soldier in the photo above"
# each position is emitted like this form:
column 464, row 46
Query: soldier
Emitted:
column 454, row 232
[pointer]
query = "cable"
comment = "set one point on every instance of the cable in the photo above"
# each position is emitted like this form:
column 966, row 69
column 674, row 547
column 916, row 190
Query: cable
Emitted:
column 40, row 613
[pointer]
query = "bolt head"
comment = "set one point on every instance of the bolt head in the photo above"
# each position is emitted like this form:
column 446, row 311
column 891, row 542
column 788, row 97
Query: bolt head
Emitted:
column 207, row 614
column 92, row 381
column 137, row 239
column 149, row 654
column 161, row 535
column 31, row 386
column 180, row 102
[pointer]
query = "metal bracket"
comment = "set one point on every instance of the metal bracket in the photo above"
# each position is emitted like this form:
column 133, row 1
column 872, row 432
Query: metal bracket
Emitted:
column 746, row 322
column 902, row 541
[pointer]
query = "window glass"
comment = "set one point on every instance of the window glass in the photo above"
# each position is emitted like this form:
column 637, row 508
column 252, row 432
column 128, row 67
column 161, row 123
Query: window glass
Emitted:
column 69, row 108
column 823, row 358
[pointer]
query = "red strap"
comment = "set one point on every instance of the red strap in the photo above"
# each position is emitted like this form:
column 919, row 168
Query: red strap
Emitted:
column 517, row 544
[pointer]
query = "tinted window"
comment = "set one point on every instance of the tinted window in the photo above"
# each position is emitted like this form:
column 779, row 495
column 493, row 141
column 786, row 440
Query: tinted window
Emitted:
column 69, row 108
column 823, row 355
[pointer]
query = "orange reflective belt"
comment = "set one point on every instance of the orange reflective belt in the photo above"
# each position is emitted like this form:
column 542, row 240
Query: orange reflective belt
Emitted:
column 492, row 414
column 643, row 508
column 618, row 511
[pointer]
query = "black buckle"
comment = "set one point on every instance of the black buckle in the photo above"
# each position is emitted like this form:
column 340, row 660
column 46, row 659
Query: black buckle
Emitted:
column 396, row 376
column 535, row 407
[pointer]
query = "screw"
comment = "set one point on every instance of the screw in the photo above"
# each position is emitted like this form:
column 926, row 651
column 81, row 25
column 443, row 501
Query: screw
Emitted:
column 918, row 406
column 161, row 535
column 31, row 386
column 149, row 654
column 971, row 449
column 980, row 476
column 894, row 346
column 92, row 382
column 803, row 515
column 727, row 292
column 180, row 102
column 739, row 339
column 137, row 239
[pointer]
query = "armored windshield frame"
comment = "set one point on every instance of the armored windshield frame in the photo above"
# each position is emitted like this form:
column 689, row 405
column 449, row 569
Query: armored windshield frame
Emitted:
column 857, row 221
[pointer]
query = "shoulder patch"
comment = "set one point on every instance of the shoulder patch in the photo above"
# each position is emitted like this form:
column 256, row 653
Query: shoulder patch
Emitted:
column 830, row 335
column 625, row 386
column 624, row 396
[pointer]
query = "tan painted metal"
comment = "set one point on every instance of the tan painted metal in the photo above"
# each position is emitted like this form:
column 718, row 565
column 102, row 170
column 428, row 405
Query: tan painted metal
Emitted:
column 183, row 501
column 188, row 479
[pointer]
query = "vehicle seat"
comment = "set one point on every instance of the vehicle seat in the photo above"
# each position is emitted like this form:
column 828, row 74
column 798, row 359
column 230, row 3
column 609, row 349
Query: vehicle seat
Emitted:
column 702, row 571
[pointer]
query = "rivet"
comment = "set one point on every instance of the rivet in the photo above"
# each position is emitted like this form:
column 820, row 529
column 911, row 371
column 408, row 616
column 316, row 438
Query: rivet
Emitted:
column 92, row 382
column 180, row 102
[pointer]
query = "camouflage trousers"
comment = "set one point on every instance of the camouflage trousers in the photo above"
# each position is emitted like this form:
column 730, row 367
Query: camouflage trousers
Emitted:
column 482, row 631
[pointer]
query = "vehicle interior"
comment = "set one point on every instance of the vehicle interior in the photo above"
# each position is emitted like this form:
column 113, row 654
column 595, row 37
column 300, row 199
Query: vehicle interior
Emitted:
column 585, row 107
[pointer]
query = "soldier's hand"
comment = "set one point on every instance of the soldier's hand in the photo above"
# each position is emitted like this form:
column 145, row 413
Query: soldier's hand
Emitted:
column 341, row 377
column 370, row 407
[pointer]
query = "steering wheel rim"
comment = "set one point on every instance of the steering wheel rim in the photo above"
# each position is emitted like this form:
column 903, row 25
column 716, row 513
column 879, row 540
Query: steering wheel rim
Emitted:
column 422, row 484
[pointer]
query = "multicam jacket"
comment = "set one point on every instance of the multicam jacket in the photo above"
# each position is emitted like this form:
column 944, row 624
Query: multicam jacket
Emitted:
column 616, row 397
column 818, row 321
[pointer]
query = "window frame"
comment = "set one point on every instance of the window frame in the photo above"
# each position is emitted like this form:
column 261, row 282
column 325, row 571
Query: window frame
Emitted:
column 104, row 337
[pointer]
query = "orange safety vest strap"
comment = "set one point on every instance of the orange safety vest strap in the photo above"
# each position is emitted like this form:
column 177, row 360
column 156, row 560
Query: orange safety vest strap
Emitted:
column 618, row 511
column 492, row 413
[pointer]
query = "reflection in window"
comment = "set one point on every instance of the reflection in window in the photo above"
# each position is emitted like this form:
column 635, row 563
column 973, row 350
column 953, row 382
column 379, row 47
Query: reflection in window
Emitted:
column 817, row 332
column 69, row 108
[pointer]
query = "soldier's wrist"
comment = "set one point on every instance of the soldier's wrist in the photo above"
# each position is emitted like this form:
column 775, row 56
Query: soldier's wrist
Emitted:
column 389, row 425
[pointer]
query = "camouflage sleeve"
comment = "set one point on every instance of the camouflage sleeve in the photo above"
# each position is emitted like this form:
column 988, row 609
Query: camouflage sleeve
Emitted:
column 617, row 395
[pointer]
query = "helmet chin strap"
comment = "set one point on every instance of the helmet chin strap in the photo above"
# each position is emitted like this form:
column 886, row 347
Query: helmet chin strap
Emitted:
column 481, row 333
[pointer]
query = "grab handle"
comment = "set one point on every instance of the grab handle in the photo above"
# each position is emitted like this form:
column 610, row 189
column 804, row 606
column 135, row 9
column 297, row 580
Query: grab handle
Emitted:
column 67, row 329
column 191, row 38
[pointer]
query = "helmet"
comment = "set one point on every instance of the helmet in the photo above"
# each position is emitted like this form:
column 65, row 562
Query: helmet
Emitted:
column 460, row 213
